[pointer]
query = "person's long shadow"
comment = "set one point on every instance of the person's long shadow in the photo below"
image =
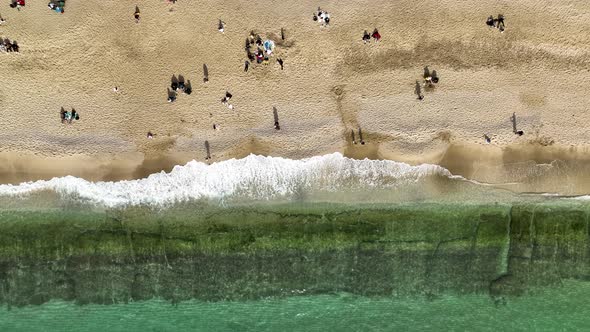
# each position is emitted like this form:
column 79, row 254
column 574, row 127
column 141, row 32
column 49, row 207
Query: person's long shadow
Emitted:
column 361, row 137
column 205, row 73
column 418, row 90
column 276, row 118
column 513, row 119
column 434, row 76
column 207, row 150
column 426, row 72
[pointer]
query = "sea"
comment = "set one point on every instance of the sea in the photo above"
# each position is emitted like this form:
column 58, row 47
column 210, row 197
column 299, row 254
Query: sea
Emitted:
column 326, row 243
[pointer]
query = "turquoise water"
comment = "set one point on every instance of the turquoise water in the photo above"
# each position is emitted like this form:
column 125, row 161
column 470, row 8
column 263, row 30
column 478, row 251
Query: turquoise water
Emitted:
column 355, row 246
column 563, row 308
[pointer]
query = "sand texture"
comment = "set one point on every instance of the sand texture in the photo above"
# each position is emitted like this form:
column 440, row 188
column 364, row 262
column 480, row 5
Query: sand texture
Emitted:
column 332, row 83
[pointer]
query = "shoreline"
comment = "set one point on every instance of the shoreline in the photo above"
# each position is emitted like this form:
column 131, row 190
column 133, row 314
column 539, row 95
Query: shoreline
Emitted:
column 526, row 167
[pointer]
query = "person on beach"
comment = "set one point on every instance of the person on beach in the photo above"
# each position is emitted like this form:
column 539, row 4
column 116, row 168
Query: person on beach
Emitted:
column 246, row 65
column 277, row 126
column 366, row 37
column 259, row 56
column 221, row 26
column 7, row 44
column 2, row 20
column 225, row 100
column 188, row 89
column 376, row 35
column 487, row 138
column 280, row 61
column 17, row 4
column 150, row 135
column 171, row 96
column 490, row 21
column 62, row 115
column 136, row 14
column 181, row 85
column 75, row 115
column 500, row 23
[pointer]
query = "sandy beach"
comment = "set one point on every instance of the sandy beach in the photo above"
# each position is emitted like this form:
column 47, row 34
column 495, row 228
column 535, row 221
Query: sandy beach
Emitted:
column 332, row 83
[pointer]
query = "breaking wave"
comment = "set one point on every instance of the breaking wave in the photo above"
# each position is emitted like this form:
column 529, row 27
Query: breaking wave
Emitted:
column 255, row 177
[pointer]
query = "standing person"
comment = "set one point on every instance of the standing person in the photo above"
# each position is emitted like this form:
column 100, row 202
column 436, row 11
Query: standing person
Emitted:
column 376, row 35
column 490, row 21
column 280, row 61
column 500, row 22
column 366, row 37
column 2, row 20
column 327, row 18
column 221, row 26
column 246, row 65
column 136, row 14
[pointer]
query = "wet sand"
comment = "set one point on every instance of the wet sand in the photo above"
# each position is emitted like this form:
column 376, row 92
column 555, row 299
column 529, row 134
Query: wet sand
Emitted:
column 332, row 83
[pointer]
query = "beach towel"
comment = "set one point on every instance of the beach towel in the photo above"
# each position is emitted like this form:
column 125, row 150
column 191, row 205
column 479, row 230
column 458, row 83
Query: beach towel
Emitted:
column 269, row 45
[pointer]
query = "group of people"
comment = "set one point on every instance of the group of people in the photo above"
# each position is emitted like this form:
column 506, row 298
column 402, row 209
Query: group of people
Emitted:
column 263, row 52
column 497, row 23
column 69, row 116
column 56, row 5
column 322, row 16
column 430, row 78
column 375, row 35
column 7, row 46
column 17, row 4
column 225, row 100
column 178, row 84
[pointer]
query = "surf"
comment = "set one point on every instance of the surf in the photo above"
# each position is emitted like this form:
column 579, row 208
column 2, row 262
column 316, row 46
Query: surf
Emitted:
column 253, row 177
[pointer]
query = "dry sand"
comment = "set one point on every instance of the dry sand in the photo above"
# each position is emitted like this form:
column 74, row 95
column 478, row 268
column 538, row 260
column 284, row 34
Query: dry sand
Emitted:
column 332, row 84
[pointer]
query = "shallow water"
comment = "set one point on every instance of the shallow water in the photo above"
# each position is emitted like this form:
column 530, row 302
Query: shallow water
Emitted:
column 345, row 245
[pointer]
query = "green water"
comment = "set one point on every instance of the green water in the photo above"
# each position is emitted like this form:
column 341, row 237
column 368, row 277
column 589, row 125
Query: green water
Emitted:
column 297, row 266
column 560, row 309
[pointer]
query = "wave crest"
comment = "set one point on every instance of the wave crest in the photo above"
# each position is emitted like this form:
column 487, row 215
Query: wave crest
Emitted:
column 255, row 177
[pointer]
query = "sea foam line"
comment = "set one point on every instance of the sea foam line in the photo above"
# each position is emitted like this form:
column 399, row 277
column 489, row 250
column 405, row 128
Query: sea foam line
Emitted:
column 256, row 177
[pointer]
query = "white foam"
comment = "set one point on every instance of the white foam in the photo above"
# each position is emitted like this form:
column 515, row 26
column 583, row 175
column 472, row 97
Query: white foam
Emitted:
column 255, row 177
